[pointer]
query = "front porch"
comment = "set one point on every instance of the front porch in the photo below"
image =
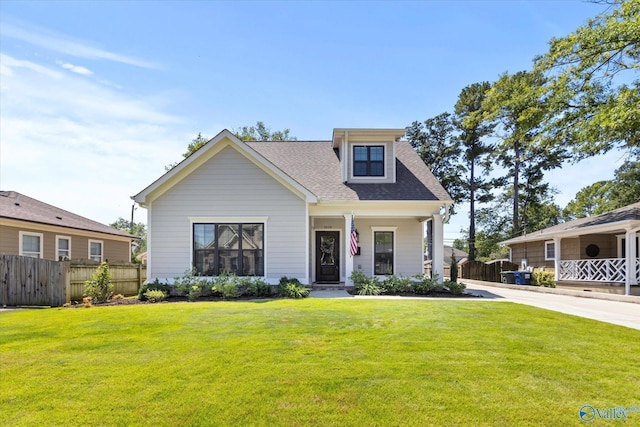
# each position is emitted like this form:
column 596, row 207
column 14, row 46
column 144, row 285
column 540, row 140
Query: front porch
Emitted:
column 602, row 275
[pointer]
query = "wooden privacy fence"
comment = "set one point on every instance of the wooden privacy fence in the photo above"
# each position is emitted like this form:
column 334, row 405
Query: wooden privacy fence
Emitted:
column 126, row 278
column 34, row 281
column 489, row 272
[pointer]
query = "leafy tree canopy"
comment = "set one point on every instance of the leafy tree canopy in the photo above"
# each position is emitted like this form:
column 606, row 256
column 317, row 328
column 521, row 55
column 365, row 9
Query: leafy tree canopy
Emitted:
column 593, row 87
column 260, row 132
column 605, row 196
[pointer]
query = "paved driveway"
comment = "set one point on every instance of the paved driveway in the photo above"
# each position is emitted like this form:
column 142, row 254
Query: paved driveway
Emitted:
column 616, row 312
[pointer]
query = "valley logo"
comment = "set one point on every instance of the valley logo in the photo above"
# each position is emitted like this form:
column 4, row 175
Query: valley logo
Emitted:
column 589, row 413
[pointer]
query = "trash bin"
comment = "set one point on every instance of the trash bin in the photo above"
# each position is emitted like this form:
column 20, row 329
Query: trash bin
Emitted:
column 508, row 277
column 522, row 277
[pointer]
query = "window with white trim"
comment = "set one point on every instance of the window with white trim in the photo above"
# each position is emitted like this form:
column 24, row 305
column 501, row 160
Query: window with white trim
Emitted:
column 383, row 252
column 95, row 250
column 236, row 248
column 63, row 248
column 31, row 244
column 549, row 251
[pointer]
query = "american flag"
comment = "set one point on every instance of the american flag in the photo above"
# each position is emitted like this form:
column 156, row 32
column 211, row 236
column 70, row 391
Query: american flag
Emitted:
column 354, row 239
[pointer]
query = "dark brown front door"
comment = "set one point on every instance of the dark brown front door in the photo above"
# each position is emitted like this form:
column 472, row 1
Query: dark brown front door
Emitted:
column 327, row 256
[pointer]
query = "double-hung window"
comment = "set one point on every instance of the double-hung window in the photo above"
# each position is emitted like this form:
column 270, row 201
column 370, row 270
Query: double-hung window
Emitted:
column 383, row 252
column 31, row 244
column 63, row 248
column 368, row 160
column 549, row 251
column 236, row 248
column 95, row 250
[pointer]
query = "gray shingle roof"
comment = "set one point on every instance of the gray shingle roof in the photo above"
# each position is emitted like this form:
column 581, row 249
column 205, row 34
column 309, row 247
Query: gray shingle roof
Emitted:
column 316, row 166
column 17, row 206
column 626, row 213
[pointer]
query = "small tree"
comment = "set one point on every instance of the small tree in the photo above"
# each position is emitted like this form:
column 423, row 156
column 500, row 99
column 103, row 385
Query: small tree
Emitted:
column 454, row 267
column 99, row 288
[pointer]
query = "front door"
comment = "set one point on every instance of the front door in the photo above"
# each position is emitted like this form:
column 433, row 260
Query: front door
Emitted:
column 327, row 256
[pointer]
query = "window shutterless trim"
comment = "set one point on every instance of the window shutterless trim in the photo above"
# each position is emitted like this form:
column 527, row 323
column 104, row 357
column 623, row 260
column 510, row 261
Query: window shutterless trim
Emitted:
column 546, row 244
column 101, row 249
column 67, row 238
column 22, row 252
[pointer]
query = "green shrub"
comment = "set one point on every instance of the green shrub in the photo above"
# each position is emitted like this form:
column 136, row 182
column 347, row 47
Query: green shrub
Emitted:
column 292, row 288
column 256, row 286
column 226, row 285
column 395, row 285
column 543, row 278
column 153, row 286
column 423, row 285
column 368, row 288
column 455, row 288
column 99, row 288
column 186, row 285
column 358, row 278
column 154, row 295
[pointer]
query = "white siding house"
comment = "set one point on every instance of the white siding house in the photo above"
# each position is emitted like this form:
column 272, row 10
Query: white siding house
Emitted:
column 274, row 209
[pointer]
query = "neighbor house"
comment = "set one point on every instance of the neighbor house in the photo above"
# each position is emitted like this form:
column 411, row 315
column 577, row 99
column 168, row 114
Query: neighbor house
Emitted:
column 312, row 210
column 598, row 252
column 29, row 227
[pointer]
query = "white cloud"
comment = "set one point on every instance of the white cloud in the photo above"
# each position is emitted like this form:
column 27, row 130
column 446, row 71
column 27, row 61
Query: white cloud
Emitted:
column 80, row 145
column 62, row 44
column 75, row 68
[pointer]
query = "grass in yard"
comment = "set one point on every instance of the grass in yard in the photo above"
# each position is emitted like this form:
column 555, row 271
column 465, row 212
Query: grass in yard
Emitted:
column 312, row 362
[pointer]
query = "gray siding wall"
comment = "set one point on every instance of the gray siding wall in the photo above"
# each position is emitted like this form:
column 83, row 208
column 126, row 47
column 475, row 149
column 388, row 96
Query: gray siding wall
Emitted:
column 228, row 185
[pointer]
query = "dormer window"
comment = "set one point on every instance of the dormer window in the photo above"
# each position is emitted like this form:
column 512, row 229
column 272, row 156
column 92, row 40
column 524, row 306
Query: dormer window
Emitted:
column 368, row 160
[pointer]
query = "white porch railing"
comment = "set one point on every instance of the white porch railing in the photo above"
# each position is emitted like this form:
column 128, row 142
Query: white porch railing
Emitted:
column 596, row 270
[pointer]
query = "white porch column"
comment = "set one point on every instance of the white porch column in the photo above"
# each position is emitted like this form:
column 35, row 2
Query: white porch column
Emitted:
column 557, row 245
column 630, row 260
column 437, row 257
column 348, row 259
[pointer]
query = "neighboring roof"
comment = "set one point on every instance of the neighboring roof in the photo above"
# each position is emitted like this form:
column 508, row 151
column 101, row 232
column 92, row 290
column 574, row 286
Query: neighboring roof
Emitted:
column 316, row 166
column 14, row 205
column 461, row 256
column 619, row 219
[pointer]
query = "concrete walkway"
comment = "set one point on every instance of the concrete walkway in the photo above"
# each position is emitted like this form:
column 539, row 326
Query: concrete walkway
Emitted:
column 619, row 310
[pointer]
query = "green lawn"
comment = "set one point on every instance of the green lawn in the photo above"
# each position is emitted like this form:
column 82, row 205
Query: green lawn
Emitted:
column 313, row 362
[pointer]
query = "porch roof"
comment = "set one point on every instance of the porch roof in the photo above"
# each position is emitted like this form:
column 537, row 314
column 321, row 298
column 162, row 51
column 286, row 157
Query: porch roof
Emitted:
column 625, row 218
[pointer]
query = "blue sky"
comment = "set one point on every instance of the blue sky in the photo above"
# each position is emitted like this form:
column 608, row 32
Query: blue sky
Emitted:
column 97, row 97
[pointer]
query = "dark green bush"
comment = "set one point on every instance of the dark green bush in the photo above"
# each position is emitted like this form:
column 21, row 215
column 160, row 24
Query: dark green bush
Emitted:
column 394, row 285
column 455, row 288
column 423, row 285
column 255, row 286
